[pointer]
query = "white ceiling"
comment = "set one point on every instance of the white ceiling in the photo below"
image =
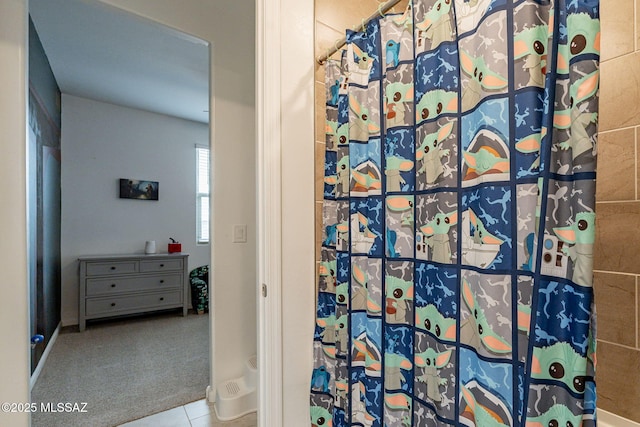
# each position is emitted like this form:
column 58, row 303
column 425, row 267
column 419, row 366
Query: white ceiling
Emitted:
column 100, row 52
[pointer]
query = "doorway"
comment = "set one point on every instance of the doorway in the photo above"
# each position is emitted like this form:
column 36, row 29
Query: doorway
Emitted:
column 234, row 134
column 135, row 104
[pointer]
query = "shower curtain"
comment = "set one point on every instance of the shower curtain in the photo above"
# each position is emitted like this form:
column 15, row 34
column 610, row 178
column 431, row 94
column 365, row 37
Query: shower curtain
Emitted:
column 455, row 284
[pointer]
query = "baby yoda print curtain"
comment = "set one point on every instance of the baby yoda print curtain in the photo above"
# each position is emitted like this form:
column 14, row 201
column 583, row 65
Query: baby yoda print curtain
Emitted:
column 458, row 221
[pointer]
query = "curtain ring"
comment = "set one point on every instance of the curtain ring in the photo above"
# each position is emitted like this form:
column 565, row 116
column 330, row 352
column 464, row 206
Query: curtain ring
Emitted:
column 380, row 10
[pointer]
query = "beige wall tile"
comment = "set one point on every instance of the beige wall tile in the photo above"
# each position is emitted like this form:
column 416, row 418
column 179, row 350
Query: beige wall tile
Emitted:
column 318, row 71
column 400, row 7
column 616, row 305
column 319, row 171
column 616, row 165
column 326, row 37
column 320, row 101
column 617, row 380
column 620, row 92
column 317, row 273
column 637, row 165
column 617, row 237
column 616, row 249
column 318, row 230
column 637, row 23
column 617, row 28
column 341, row 14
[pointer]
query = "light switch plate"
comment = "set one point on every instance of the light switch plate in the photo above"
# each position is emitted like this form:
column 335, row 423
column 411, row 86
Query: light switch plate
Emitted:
column 239, row 233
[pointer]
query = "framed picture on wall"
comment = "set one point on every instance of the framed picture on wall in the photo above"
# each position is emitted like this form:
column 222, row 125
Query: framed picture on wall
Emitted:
column 138, row 189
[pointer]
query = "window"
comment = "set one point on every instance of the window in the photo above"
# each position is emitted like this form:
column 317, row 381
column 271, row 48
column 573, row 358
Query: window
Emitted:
column 202, row 194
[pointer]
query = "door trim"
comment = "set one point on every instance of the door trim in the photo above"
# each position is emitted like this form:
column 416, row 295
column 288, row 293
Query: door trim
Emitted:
column 268, row 130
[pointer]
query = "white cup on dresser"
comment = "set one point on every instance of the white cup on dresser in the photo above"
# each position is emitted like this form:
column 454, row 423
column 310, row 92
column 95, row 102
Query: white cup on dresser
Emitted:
column 150, row 247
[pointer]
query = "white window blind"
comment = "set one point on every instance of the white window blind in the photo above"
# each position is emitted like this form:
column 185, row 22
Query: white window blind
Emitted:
column 202, row 194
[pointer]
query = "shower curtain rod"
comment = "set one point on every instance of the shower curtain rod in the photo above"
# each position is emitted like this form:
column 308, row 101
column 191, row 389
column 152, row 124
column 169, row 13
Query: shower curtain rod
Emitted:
column 382, row 9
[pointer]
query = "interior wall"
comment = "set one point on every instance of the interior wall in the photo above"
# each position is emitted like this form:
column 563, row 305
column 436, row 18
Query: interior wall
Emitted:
column 297, row 115
column 616, row 256
column 14, row 317
column 102, row 143
column 41, row 77
column 230, row 27
column 44, row 196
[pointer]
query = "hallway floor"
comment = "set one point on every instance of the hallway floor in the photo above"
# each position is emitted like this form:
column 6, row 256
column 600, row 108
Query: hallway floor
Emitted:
column 195, row 414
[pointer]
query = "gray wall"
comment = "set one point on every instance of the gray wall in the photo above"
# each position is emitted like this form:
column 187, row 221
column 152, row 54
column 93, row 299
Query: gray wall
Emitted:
column 44, row 196
column 41, row 78
column 103, row 143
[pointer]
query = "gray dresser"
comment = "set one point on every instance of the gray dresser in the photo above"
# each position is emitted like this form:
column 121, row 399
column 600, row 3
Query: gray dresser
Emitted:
column 115, row 285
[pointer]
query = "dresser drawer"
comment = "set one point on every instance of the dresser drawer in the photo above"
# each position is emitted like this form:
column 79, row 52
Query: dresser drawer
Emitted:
column 132, row 303
column 109, row 286
column 120, row 284
column 111, row 268
column 149, row 266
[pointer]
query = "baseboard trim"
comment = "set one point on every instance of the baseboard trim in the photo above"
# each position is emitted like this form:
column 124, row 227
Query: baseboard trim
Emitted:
column 69, row 322
column 210, row 394
column 43, row 359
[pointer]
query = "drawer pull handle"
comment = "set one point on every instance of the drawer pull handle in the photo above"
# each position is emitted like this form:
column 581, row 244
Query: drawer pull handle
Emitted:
column 161, row 298
column 113, row 304
column 113, row 285
column 113, row 268
column 161, row 281
column 161, row 265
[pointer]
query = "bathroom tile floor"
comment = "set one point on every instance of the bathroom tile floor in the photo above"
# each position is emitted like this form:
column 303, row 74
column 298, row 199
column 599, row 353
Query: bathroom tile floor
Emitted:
column 194, row 414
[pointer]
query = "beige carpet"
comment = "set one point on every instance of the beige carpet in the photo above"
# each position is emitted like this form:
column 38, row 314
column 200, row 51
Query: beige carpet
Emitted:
column 125, row 370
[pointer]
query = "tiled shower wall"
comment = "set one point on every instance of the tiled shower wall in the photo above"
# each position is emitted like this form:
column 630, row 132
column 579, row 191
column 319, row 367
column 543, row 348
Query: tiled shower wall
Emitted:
column 617, row 249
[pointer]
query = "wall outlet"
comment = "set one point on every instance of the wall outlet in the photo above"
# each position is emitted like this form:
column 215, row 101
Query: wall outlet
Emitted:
column 239, row 233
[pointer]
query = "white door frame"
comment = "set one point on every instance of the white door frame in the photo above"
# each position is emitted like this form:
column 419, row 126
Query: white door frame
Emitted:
column 286, row 208
column 268, row 132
